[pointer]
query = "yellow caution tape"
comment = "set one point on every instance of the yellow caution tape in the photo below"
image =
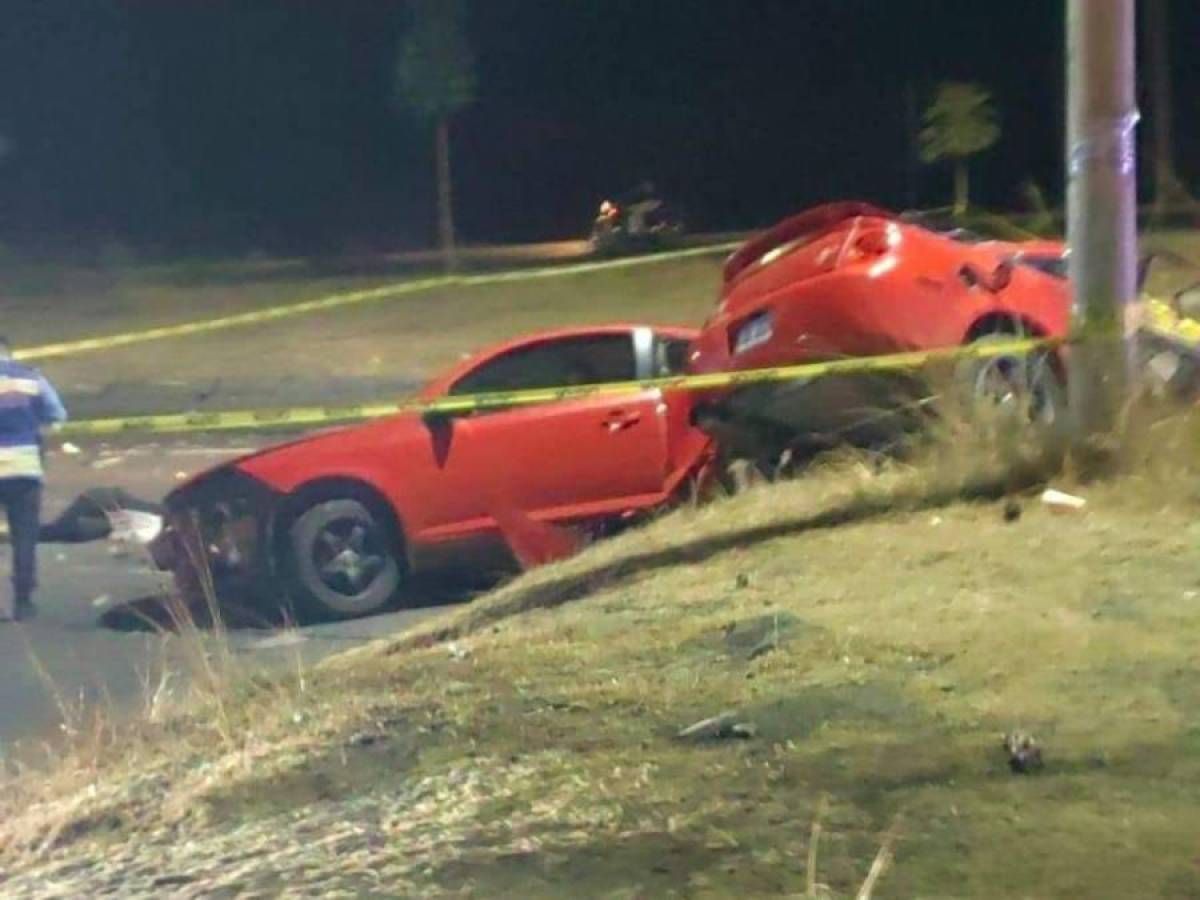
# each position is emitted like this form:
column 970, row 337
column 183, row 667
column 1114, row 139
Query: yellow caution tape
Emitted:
column 299, row 417
column 1161, row 318
column 353, row 298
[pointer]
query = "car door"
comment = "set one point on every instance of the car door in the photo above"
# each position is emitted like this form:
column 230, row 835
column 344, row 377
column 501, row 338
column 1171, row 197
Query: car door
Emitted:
column 592, row 456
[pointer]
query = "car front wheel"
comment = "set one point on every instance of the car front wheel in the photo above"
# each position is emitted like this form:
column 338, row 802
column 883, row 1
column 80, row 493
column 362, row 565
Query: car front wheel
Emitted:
column 343, row 559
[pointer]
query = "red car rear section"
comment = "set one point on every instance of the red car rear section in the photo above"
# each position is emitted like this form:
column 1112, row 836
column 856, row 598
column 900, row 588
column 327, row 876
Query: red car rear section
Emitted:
column 850, row 280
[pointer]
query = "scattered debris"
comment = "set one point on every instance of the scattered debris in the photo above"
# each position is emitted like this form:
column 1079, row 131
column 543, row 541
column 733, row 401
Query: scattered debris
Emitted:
column 763, row 648
column 1062, row 502
column 288, row 638
column 935, row 521
column 365, row 739
column 1024, row 754
column 742, row 582
column 131, row 526
column 107, row 462
column 1163, row 368
column 725, row 725
column 102, row 601
column 1012, row 510
column 759, row 636
column 457, row 652
column 70, row 449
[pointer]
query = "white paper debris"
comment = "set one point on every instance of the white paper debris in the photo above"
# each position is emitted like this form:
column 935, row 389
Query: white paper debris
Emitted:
column 133, row 526
column 283, row 639
column 1062, row 502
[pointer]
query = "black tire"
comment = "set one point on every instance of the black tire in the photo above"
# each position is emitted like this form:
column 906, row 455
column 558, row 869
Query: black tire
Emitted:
column 1026, row 390
column 343, row 560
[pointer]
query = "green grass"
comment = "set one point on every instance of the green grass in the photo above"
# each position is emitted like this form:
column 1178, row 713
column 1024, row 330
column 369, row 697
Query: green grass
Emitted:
column 881, row 637
column 407, row 338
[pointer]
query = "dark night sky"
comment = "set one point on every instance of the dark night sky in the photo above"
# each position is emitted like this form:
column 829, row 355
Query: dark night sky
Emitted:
column 238, row 124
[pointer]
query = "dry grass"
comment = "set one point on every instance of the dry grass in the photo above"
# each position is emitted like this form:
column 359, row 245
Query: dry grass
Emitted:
column 880, row 626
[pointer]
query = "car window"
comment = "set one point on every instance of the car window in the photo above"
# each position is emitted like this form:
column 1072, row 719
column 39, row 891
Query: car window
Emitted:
column 670, row 357
column 1051, row 265
column 593, row 359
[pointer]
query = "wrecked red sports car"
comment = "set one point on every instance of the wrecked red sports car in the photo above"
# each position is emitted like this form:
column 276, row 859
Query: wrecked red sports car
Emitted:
column 338, row 522
column 850, row 279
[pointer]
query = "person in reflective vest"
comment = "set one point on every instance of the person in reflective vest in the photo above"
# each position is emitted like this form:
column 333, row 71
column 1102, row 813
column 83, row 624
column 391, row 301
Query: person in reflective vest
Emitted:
column 28, row 404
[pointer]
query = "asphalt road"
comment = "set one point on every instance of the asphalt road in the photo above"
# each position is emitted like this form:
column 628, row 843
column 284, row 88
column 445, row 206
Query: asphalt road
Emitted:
column 62, row 664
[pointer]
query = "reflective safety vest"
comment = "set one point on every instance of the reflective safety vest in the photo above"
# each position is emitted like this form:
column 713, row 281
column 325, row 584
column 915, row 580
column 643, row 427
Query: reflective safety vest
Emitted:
column 27, row 404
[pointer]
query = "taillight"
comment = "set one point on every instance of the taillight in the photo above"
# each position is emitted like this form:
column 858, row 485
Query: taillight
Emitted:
column 873, row 243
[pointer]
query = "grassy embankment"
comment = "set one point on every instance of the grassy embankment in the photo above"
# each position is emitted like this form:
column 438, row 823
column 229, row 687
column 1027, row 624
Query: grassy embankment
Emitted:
column 878, row 631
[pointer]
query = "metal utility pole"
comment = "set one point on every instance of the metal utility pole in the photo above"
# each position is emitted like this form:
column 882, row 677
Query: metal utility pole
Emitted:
column 1101, row 214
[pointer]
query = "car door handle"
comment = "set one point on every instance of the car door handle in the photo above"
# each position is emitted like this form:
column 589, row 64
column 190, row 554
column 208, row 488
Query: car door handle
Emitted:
column 620, row 419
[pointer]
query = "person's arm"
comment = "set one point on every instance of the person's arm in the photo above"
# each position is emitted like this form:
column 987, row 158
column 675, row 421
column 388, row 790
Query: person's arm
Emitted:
column 50, row 408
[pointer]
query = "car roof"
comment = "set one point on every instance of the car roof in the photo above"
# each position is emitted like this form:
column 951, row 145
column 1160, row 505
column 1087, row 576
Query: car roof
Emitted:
column 441, row 383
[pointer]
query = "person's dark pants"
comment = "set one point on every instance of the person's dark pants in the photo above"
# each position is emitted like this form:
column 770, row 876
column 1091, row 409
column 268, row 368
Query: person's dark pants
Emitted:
column 22, row 502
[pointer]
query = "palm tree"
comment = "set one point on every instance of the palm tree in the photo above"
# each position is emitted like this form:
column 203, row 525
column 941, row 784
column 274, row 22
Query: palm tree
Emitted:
column 435, row 80
column 959, row 123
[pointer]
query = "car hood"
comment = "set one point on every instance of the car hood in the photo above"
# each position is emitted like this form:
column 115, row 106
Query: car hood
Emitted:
column 202, row 478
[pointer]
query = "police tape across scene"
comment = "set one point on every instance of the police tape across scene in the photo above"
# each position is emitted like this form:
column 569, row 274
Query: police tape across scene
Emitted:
column 1160, row 319
column 296, row 417
column 353, row 298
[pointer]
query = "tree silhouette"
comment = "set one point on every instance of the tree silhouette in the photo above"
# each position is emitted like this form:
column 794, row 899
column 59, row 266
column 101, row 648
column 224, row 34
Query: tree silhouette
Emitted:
column 1170, row 193
column 959, row 123
column 435, row 80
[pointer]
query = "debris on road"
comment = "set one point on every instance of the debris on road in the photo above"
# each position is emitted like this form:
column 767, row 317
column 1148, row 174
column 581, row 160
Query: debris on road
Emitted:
column 289, row 638
column 750, row 639
column 725, row 725
column 1024, row 754
column 1059, row 501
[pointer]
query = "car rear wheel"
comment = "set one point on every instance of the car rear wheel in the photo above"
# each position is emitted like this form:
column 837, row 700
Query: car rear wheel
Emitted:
column 1022, row 390
column 343, row 559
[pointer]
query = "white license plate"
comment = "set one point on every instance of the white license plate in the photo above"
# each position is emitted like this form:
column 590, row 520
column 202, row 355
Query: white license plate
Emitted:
column 757, row 330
